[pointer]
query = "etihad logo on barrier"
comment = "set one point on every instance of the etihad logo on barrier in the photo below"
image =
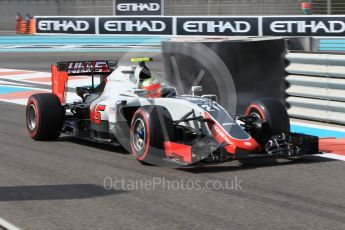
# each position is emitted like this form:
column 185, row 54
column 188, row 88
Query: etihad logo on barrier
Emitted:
column 63, row 25
column 216, row 26
column 135, row 26
column 138, row 7
column 314, row 26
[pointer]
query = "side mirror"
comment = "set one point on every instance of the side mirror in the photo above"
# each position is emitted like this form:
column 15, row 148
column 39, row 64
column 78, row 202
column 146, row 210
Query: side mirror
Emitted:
column 196, row 89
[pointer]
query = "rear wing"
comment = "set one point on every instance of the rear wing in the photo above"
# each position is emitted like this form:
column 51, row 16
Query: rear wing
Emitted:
column 62, row 70
column 74, row 68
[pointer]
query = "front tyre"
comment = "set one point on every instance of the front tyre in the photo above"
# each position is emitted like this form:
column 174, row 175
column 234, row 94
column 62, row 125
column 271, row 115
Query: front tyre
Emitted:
column 44, row 116
column 274, row 115
column 151, row 126
column 273, row 112
column 276, row 121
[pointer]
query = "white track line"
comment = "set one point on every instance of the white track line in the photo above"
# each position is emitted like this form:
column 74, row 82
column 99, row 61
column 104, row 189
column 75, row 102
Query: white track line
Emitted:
column 331, row 156
column 7, row 225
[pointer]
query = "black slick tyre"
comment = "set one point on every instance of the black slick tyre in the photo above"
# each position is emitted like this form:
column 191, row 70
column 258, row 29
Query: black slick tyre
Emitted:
column 44, row 116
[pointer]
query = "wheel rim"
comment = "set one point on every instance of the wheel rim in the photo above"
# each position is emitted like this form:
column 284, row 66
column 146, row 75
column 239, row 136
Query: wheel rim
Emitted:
column 32, row 117
column 255, row 114
column 139, row 135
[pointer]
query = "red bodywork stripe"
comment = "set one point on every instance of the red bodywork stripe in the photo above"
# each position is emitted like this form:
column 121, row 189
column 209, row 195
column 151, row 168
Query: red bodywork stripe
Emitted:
column 59, row 79
column 95, row 115
column 173, row 149
column 223, row 137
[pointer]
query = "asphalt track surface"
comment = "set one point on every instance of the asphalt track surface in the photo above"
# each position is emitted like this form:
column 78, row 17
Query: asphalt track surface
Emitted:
column 60, row 184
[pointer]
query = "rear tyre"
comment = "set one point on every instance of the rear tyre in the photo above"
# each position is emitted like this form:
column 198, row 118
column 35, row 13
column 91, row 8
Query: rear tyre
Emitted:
column 273, row 112
column 44, row 116
column 151, row 126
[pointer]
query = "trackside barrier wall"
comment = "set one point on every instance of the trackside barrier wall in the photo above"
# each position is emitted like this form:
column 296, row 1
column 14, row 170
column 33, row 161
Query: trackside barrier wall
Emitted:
column 317, row 44
column 330, row 44
column 194, row 25
column 317, row 86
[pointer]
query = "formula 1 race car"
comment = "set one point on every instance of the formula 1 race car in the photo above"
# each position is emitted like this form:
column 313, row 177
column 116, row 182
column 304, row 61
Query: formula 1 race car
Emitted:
column 156, row 124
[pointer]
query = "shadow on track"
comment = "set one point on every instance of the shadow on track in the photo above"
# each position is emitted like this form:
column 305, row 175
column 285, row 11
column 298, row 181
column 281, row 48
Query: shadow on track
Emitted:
column 212, row 168
column 255, row 163
column 54, row 192
column 107, row 147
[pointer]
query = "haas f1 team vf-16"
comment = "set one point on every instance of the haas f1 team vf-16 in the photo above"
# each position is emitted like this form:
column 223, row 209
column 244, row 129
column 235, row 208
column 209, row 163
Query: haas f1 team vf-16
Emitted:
column 156, row 124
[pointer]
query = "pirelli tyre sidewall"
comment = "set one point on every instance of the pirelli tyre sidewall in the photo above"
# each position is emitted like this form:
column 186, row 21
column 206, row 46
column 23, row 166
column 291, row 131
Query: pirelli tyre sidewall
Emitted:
column 44, row 116
column 275, row 114
column 151, row 126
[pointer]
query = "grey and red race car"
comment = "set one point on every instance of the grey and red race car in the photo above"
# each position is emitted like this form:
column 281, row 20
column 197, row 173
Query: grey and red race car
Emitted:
column 156, row 124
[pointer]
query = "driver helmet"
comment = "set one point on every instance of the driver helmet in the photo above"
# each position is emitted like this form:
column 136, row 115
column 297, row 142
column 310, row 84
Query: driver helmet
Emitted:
column 153, row 87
